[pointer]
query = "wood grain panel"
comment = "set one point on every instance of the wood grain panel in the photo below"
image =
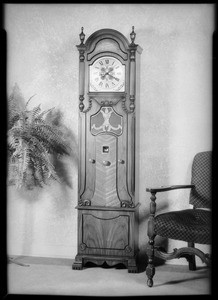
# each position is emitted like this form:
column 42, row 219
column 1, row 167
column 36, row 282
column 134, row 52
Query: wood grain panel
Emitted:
column 106, row 176
column 105, row 233
column 124, row 143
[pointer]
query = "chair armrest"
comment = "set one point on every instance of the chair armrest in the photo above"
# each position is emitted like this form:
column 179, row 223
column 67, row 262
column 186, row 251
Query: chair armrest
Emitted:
column 168, row 188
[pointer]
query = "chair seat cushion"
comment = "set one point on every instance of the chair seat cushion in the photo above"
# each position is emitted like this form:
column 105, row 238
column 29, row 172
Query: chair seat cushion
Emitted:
column 190, row 225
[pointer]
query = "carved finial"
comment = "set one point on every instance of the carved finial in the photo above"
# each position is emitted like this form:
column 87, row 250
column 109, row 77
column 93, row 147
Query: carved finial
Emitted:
column 132, row 35
column 82, row 36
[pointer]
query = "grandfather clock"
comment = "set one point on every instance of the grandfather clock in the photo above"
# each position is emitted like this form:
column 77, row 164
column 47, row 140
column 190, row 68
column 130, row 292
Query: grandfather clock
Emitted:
column 107, row 201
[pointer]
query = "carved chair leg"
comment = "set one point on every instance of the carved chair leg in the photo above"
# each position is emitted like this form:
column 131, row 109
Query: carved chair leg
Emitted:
column 150, row 269
column 191, row 259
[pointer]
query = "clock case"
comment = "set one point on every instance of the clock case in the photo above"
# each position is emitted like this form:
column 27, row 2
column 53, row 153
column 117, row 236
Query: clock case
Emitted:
column 108, row 204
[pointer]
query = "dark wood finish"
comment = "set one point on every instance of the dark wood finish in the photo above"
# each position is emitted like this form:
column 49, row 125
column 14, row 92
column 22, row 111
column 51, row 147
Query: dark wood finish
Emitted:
column 107, row 235
column 154, row 251
column 150, row 269
column 186, row 252
column 191, row 259
column 169, row 188
column 107, row 205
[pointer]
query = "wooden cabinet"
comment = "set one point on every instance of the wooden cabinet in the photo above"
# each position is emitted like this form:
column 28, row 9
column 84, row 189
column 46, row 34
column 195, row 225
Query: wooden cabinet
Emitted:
column 107, row 202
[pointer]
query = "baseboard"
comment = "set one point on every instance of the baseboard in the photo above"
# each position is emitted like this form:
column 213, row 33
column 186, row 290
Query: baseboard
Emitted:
column 42, row 260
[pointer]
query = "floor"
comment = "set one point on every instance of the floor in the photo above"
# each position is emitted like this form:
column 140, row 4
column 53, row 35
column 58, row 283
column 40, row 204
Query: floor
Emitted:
column 52, row 276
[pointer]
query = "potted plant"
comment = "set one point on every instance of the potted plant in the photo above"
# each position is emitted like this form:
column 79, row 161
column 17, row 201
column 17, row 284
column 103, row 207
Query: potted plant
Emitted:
column 32, row 141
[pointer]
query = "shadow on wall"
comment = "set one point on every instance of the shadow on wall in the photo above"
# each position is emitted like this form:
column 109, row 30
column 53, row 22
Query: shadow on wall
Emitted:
column 56, row 197
column 62, row 165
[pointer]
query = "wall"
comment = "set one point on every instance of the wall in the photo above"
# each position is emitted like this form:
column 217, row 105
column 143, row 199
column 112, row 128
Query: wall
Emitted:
column 174, row 119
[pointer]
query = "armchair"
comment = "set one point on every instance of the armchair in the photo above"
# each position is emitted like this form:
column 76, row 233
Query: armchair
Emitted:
column 191, row 225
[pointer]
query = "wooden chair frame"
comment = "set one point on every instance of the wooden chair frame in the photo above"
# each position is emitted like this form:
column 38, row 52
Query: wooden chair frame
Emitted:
column 188, row 252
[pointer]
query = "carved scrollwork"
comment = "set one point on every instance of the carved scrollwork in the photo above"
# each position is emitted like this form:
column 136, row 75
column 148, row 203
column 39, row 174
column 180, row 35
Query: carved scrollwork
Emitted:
column 82, row 246
column 108, row 101
column 81, row 105
column 128, row 204
column 83, row 202
column 128, row 249
column 124, row 105
column 131, row 106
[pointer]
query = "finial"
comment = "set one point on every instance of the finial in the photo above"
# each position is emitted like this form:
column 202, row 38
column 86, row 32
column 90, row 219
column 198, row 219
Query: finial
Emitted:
column 132, row 35
column 82, row 36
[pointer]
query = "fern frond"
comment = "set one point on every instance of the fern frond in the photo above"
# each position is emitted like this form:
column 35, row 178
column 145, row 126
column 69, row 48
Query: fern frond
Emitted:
column 25, row 160
column 45, row 168
column 32, row 115
column 13, row 141
column 15, row 105
column 38, row 145
column 46, row 133
column 40, row 117
column 28, row 101
column 31, row 141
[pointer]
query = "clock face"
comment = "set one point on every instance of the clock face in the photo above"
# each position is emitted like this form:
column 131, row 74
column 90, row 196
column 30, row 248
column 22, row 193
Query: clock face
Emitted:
column 107, row 74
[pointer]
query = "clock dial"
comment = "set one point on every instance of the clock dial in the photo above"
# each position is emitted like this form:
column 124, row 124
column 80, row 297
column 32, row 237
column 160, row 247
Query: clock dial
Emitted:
column 107, row 74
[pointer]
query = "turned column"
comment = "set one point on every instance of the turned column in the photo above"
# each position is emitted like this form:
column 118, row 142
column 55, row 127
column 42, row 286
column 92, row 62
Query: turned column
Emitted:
column 150, row 269
column 81, row 49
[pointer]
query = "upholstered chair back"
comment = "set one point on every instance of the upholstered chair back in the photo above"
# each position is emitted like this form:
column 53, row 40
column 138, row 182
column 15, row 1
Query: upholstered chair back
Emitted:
column 200, row 196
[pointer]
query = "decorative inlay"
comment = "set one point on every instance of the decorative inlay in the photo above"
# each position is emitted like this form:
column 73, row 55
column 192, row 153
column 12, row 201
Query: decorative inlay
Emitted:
column 106, row 120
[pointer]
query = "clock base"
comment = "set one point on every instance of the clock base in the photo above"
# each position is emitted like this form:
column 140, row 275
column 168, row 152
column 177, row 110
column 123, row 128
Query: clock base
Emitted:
column 129, row 262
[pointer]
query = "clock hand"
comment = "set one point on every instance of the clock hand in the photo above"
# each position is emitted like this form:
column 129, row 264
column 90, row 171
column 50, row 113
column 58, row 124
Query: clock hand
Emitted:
column 116, row 78
column 108, row 73
column 104, row 75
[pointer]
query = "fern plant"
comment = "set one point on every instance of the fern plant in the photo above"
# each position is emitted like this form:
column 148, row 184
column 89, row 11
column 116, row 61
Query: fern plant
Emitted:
column 32, row 140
